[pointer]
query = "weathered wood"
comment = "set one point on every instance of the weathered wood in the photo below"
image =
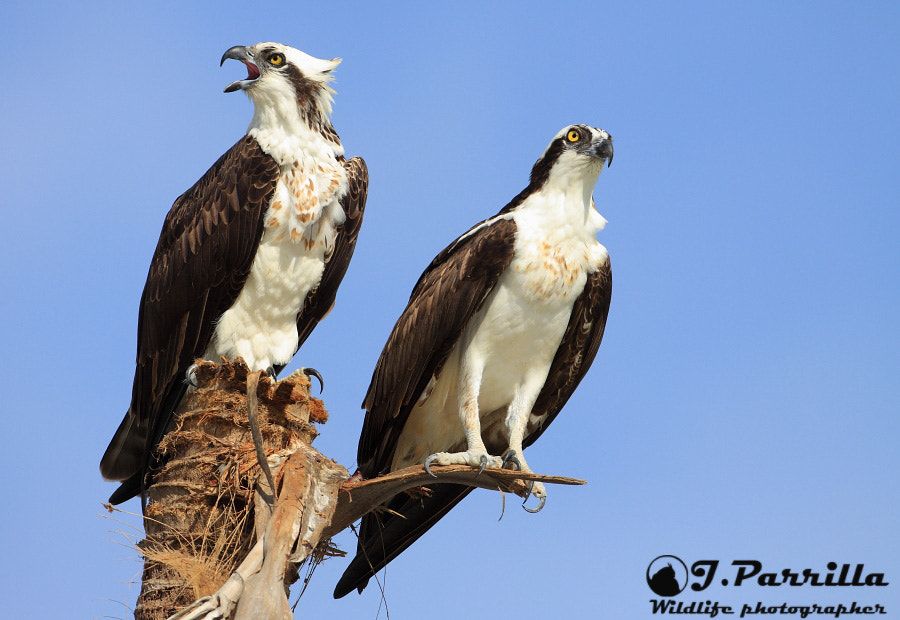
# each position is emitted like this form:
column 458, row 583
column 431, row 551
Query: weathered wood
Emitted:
column 305, row 506
column 358, row 498
column 258, row 588
column 199, row 519
column 218, row 547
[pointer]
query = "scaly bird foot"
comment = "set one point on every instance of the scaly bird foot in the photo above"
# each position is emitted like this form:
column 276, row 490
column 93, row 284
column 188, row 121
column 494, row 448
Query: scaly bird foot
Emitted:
column 517, row 458
column 473, row 458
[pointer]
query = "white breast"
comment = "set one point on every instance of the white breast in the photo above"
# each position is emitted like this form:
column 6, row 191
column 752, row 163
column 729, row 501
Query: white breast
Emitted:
column 519, row 329
column 300, row 226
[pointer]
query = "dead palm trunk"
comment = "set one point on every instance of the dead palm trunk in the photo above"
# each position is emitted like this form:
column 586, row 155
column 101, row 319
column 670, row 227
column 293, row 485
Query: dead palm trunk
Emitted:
column 201, row 514
column 217, row 545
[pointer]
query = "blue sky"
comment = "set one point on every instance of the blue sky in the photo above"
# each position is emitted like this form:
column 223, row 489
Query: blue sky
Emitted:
column 743, row 404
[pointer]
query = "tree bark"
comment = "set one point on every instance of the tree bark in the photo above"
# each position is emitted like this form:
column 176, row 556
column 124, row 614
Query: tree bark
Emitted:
column 200, row 517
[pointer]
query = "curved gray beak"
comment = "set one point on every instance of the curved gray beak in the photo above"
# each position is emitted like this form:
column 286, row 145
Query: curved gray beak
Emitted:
column 242, row 53
column 604, row 150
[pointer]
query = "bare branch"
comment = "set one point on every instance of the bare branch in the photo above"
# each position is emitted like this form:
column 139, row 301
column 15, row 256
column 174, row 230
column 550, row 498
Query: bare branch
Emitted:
column 356, row 499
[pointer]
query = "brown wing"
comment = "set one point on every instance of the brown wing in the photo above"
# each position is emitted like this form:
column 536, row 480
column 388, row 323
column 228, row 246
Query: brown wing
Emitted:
column 321, row 299
column 450, row 291
column 576, row 351
column 446, row 296
column 205, row 250
column 385, row 534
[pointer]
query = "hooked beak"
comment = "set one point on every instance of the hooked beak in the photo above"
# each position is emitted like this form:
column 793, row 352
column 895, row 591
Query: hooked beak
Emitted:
column 242, row 53
column 604, row 150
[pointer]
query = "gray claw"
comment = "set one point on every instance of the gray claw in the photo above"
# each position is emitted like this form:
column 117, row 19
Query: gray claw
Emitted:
column 539, row 506
column 428, row 462
column 190, row 376
column 484, row 462
column 312, row 372
column 511, row 458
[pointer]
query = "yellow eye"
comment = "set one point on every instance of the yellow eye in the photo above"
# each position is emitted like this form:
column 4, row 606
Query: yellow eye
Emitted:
column 276, row 60
column 573, row 135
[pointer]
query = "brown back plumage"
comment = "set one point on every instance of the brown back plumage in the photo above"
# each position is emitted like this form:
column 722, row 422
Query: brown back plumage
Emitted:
column 205, row 251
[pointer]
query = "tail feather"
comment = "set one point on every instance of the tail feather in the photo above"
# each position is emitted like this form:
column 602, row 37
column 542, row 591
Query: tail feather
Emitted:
column 384, row 536
column 128, row 489
column 132, row 451
column 122, row 458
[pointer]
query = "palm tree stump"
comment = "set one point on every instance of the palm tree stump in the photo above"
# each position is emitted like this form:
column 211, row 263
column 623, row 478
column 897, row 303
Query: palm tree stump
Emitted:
column 220, row 542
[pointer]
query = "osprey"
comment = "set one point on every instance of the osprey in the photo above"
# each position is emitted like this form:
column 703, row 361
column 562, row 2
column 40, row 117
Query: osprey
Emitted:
column 250, row 258
column 499, row 330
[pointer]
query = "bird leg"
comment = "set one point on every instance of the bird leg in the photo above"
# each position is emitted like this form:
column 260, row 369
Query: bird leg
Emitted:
column 516, row 423
column 476, row 454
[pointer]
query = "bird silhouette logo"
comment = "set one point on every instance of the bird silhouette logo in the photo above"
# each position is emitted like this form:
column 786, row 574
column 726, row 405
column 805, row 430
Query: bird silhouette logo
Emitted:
column 667, row 575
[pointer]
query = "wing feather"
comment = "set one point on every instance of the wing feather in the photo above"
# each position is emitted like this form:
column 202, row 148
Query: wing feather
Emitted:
column 385, row 535
column 577, row 350
column 450, row 291
column 204, row 254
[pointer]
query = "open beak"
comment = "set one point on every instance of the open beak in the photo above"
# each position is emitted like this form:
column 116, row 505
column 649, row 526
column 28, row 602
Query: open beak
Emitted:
column 242, row 53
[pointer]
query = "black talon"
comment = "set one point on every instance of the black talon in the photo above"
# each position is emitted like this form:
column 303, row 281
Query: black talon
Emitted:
column 484, row 462
column 312, row 372
column 273, row 374
column 539, row 506
column 511, row 458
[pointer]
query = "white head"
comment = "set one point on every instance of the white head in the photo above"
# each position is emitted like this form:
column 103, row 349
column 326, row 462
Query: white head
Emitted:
column 576, row 151
column 285, row 83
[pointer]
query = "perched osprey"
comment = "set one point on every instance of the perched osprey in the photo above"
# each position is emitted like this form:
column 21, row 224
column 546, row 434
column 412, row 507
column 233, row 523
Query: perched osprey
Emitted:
column 499, row 330
column 250, row 258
